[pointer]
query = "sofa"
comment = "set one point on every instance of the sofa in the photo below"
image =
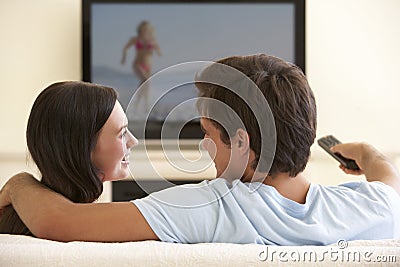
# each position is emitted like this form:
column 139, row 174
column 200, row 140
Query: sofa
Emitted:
column 29, row 251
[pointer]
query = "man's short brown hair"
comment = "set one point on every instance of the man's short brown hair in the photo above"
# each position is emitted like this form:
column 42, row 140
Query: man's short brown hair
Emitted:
column 290, row 99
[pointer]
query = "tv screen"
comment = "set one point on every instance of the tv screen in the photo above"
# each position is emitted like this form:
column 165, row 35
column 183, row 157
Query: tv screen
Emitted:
column 126, row 43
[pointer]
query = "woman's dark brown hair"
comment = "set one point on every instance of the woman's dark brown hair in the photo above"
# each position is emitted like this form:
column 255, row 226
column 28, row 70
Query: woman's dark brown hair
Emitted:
column 290, row 99
column 62, row 131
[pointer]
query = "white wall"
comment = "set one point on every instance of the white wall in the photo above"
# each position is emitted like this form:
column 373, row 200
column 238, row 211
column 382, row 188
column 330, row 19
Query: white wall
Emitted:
column 352, row 65
column 40, row 44
column 353, row 55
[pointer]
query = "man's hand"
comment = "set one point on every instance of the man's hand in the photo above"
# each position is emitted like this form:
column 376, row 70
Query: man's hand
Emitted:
column 371, row 162
column 50, row 215
column 352, row 151
column 16, row 180
column 4, row 198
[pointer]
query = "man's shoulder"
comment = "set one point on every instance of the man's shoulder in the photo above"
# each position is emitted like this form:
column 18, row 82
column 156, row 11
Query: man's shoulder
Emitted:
column 353, row 186
column 364, row 187
column 359, row 193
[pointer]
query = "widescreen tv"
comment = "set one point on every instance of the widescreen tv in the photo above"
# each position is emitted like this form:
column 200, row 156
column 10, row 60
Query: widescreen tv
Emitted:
column 181, row 31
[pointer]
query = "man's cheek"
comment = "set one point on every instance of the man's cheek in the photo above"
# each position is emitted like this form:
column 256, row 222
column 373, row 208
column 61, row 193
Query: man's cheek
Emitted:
column 209, row 145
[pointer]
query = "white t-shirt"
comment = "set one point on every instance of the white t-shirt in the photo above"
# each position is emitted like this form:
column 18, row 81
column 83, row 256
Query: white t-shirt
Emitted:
column 237, row 212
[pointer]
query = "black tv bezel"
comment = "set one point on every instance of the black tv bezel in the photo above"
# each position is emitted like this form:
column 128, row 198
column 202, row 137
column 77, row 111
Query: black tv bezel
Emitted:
column 192, row 129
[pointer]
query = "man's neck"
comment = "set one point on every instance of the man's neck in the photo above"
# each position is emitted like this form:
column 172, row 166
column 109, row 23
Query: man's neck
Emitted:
column 293, row 188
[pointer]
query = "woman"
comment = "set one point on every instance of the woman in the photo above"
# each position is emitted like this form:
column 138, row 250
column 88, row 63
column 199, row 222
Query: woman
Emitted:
column 144, row 43
column 77, row 135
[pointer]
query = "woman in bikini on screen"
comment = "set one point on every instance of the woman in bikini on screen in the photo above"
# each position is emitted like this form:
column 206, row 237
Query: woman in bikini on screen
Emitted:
column 145, row 43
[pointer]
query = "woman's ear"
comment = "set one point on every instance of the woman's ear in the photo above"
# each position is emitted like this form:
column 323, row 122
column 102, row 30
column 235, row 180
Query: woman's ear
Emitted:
column 242, row 141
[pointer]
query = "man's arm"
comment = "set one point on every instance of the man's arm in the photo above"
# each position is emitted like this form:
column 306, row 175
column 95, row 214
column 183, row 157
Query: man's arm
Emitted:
column 372, row 163
column 52, row 216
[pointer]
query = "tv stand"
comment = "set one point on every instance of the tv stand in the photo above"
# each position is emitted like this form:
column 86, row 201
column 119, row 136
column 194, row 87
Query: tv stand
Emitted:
column 127, row 190
column 155, row 166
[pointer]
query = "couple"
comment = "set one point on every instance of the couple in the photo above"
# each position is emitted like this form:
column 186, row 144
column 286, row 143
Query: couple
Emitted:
column 77, row 135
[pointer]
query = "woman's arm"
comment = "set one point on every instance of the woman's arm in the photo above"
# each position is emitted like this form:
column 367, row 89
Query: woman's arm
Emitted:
column 51, row 216
column 130, row 43
column 372, row 163
column 158, row 49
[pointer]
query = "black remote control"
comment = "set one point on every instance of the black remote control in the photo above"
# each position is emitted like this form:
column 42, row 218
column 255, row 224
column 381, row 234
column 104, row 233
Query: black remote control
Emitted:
column 329, row 141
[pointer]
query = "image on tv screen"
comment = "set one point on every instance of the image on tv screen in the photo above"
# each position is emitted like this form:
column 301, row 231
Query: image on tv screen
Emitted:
column 130, row 42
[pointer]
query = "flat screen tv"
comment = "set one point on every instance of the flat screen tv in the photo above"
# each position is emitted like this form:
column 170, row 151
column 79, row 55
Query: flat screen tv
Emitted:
column 125, row 42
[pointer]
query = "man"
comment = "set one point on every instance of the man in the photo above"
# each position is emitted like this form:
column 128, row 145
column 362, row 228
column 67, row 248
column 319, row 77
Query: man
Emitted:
column 259, row 199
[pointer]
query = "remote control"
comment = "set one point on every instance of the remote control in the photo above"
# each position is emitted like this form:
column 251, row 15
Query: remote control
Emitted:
column 329, row 141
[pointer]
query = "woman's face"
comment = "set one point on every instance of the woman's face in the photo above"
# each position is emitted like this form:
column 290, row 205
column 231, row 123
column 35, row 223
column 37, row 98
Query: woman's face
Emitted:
column 112, row 150
column 146, row 31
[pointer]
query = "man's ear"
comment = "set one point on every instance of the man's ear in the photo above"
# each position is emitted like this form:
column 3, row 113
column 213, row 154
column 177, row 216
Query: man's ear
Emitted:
column 242, row 141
